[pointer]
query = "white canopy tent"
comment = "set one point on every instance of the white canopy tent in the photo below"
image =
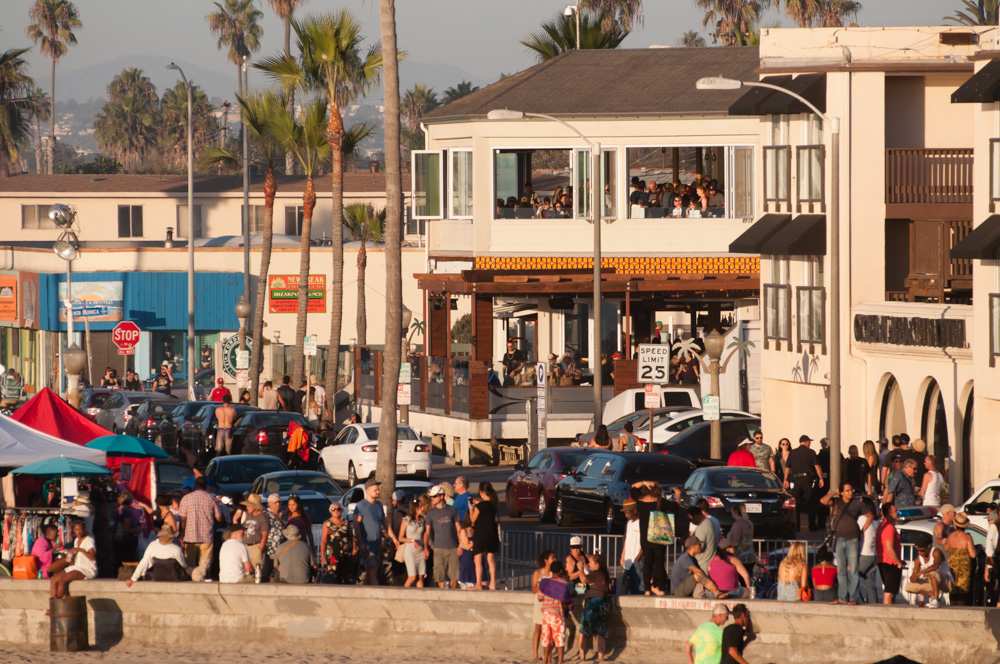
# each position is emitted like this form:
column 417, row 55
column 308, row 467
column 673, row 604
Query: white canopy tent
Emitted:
column 20, row 445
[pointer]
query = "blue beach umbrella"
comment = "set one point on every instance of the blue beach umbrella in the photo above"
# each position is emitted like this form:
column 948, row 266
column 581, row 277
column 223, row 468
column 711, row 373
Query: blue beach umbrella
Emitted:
column 127, row 446
column 62, row 466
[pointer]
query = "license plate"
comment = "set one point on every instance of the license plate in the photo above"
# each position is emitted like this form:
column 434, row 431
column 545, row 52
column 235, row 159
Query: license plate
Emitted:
column 754, row 508
column 401, row 468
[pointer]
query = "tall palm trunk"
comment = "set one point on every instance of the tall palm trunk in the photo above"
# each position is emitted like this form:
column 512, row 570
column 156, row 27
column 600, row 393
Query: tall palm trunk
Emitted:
column 335, row 136
column 289, row 157
column 267, row 236
column 387, row 434
column 39, row 165
column 362, row 316
column 308, row 205
column 50, row 149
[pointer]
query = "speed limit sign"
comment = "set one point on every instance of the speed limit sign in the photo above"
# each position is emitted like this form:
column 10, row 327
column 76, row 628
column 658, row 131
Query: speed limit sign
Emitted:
column 654, row 363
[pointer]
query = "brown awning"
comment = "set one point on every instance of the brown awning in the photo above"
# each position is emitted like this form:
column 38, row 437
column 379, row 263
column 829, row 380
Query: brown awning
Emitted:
column 762, row 101
column 805, row 235
column 983, row 242
column 753, row 238
column 982, row 88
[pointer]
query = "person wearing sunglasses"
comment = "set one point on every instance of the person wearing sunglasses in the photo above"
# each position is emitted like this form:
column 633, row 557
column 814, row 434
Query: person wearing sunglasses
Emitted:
column 339, row 549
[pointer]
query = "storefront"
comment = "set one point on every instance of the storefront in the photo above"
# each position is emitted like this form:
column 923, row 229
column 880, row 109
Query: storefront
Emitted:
column 19, row 335
column 157, row 303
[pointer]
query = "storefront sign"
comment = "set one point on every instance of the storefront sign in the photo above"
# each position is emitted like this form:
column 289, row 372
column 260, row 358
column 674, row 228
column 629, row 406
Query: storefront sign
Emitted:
column 284, row 293
column 908, row 331
column 230, row 353
column 8, row 298
column 97, row 301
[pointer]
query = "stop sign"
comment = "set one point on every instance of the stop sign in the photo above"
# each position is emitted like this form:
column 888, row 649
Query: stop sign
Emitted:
column 125, row 336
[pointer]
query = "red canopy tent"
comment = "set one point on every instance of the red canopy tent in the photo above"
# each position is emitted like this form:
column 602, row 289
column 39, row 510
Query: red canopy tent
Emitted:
column 48, row 413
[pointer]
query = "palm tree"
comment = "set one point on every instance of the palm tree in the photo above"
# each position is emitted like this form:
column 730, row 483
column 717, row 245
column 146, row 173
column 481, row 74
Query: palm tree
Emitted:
column 51, row 27
column 559, row 35
column 692, row 39
column 417, row 101
column 236, row 24
column 385, row 468
column 735, row 21
column 173, row 123
column 285, row 9
column 333, row 62
column 128, row 124
column 627, row 13
column 267, row 119
column 975, row 12
column 15, row 110
column 40, row 109
column 366, row 225
column 821, row 13
column 458, row 91
column 306, row 139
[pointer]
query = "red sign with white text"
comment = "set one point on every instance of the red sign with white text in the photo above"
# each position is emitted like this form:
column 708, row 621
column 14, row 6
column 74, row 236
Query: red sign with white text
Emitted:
column 125, row 336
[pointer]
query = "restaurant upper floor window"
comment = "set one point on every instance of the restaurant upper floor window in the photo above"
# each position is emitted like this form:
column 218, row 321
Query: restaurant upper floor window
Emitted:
column 294, row 215
column 460, row 191
column 690, row 182
column 182, row 221
column 777, row 315
column 36, row 217
column 811, row 177
column 129, row 221
column 777, row 178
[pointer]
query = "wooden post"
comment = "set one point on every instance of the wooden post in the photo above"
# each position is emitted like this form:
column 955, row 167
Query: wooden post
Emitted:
column 447, row 353
column 676, row 165
column 378, row 377
column 628, row 321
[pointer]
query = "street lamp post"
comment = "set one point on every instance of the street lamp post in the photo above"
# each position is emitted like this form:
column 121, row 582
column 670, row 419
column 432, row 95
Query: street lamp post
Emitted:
column 714, row 343
column 404, row 409
column 246, row 203
column 67, row 247
column 596, row 213
column 831, row 124
column 572, row 10
column 242, row 313
column 190, row 232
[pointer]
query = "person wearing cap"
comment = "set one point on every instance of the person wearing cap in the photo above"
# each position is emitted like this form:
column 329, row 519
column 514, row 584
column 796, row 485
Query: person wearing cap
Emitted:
column 576, row 561
column 163, row 560
column 220, row 390
column 234, row 559
column 369, row 517
column 737, row 636
column 442, row 537
column 803, row 476
column 742, row 456
column 631, row 583
column 255, row 529
column 294, row 559
column 687, row 578
column 275, row 526
column 705, row 644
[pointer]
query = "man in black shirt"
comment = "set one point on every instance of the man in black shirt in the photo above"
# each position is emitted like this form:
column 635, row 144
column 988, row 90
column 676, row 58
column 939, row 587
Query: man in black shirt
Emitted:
column 513, row 359
column 737, row 636
column 803, row 477
column 845, row 511
column 287, row 397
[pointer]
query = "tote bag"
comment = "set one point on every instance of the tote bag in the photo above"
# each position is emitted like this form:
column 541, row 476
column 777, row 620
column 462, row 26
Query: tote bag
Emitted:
column 661, row 528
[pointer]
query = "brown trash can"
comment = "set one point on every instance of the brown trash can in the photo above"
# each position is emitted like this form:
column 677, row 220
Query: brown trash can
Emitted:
column 68, row 624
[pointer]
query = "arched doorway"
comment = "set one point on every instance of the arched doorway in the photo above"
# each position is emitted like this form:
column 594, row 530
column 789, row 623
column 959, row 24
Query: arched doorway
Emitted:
column 892, row 415
column 967, row 444
column 934, row 421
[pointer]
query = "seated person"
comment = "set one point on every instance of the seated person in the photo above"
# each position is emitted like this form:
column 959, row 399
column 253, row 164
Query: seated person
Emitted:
column 545, row 207
column 234, row 558
column 293, row 560
column 80, row 562
column 824, row 578
column 44, row 548
column 677, row 211
column 571, row 375
column 931, row 575
column 727, row 571
column 687, row 579
column 163, row 560
column 715, row 197
column 693, row 211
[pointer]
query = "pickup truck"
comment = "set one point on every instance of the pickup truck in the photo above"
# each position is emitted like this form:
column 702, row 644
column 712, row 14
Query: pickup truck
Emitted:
column 634, row 399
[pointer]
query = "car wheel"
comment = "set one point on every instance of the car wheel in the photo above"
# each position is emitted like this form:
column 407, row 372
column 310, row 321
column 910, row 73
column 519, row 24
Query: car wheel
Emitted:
column 512, row 510
column 352, row 475
column 543, row 507
column 609, row 519
column 562, row 519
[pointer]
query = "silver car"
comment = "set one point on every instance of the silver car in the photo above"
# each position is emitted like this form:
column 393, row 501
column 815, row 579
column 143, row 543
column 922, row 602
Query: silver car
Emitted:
column 112, row 409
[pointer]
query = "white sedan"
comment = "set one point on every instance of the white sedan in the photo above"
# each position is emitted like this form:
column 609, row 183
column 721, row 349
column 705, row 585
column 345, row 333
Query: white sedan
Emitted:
column 353, row 454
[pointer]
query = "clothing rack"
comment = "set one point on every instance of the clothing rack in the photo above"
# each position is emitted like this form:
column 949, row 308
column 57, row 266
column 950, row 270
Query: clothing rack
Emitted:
column 22, row 527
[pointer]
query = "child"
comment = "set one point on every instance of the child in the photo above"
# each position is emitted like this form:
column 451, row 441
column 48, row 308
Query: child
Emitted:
column 466, row 562
column 545, row 561
column 555, row 594
column 596, row 605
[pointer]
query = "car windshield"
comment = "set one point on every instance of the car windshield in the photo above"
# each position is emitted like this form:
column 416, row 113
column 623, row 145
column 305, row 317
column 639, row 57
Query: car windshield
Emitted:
column 295, row 483
column 171, row 476
column 273, row 419
column 402, row 433
column 664, row 473
column 97, row 400
column 143, row 398
column 743, row 479
column 568, row 460
column 317, row 510
column 245, row 471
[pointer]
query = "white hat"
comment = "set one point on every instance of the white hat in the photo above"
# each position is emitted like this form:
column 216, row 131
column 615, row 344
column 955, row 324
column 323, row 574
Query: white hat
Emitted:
column 720, row 610
column 575, row 540
column 436, row 490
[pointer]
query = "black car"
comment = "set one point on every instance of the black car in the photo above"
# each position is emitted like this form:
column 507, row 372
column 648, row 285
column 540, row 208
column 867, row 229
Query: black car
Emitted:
column 234, row 474
column 532, row 485
column 197, row 440
column 695, row 442
column 769, row 507
column 266, row 431
column 594, row 492
column 297, row 481
column 171, row 476
column 152, row 422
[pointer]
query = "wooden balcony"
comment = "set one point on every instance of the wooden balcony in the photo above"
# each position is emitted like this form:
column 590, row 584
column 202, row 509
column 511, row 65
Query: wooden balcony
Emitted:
column 928, row 182
column 924, row 270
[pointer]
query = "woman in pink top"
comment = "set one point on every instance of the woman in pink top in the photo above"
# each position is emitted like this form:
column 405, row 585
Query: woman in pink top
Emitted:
column 44, row 547
column 726, row 570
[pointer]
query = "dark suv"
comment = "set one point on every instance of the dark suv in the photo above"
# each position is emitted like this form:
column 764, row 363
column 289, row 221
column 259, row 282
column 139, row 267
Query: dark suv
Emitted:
column 695, row 442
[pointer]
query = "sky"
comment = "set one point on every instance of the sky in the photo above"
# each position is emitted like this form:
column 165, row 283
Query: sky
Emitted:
column 444, row 39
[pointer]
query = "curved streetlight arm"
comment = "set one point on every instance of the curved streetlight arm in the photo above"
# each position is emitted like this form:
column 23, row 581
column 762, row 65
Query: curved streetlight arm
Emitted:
column 552, row 118
column 833, row 120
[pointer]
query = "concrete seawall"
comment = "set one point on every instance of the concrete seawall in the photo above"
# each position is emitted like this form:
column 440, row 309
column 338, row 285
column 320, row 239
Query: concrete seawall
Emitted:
column 167, row 614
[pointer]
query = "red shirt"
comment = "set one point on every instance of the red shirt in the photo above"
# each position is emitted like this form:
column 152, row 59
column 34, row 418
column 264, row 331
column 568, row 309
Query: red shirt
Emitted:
column 824, row 576
column 218, row 393
column 741, row 457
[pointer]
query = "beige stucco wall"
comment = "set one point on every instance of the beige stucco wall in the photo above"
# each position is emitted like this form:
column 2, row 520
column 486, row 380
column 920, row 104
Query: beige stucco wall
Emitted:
column 866, row 44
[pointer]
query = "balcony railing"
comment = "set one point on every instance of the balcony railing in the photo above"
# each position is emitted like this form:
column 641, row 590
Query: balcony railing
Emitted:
column 928, row 175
